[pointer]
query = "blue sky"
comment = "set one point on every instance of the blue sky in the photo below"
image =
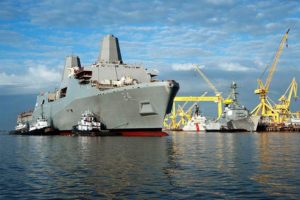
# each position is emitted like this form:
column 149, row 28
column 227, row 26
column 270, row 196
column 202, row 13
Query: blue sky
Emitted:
column 231, row 40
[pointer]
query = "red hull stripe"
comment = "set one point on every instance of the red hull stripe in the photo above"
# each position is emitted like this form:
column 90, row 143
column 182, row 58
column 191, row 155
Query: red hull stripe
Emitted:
column 65, row 132
column 197, row 127
column 144, row 133
column 129, row 133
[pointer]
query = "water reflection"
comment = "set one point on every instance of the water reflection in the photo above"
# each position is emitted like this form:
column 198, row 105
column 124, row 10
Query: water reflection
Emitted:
column 183, row 165
column 279, row 163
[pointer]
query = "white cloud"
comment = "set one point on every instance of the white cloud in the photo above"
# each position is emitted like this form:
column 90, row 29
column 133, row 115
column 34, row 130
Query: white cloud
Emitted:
column 139, row 28
column 33, row 80
column 234, row 67
column 272, row 26
column 259, row 64
column 185, row 66
column 219, row 2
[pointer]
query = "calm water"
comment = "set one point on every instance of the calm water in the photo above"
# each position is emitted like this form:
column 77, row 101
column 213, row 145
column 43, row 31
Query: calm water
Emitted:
column 180, row 166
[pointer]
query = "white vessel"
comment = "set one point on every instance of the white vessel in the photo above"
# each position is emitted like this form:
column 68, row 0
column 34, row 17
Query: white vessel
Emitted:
column 295, row 121
column 196, row 123
column 21, row 127
column 39, row 125
column 88, row 122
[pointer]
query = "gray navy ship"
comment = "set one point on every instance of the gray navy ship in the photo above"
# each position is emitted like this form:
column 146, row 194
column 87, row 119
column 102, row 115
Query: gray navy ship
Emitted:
column 235, row 117
column 122, row 97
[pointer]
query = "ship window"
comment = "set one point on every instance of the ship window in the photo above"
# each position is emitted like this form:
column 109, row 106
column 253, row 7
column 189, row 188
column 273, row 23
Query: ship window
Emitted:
column 63, row 92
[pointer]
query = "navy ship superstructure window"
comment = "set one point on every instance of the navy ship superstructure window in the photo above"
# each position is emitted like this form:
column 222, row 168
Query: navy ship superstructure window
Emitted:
column 63, row 92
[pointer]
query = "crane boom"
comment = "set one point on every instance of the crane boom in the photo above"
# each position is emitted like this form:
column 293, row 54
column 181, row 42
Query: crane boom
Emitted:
column 264, row 108
column 211, row 85
column 275, row 60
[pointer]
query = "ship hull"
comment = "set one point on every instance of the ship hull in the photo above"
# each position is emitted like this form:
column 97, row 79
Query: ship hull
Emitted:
column 42, row 131
column 132, row 108
column 248, row 124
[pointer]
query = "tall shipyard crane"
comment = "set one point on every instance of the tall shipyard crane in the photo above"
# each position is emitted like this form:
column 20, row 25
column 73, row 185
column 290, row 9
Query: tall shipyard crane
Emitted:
column 283, row 107
column 264, row 108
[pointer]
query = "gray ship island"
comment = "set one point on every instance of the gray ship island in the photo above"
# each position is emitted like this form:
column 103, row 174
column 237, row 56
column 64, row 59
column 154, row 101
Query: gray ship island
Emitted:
column 108, row 96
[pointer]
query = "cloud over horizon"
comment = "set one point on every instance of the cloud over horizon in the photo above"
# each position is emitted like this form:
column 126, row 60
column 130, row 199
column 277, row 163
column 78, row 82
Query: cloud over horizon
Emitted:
column 34, row 79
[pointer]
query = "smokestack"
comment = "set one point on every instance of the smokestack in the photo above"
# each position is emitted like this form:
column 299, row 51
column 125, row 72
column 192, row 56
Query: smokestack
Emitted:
column 71, row 62
column 110, row 50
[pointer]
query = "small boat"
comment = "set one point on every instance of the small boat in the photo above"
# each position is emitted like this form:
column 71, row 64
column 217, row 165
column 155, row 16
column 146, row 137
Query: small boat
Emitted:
column 39, row 126
column 21, row 127
column 196, row 123
column 88, row 125
column 295, row 120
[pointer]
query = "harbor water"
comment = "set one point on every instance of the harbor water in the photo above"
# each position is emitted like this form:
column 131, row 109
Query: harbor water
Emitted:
column 180, row 166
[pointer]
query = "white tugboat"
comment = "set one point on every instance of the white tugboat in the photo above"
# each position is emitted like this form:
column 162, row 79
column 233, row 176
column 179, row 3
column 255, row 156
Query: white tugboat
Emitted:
column 196, row 123
column 39, row 125
column 87, row 124
column 21, row 127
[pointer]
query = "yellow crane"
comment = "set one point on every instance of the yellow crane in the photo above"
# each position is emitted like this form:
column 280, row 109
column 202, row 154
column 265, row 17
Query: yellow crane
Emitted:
column 264, row 108
column 283, row 108
column 179, row 117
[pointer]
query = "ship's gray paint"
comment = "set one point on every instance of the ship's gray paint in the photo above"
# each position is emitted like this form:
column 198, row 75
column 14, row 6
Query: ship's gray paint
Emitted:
column 70, row 62
column 140, row 105
column 110, row 52
column 234, row 117
column 116, row 71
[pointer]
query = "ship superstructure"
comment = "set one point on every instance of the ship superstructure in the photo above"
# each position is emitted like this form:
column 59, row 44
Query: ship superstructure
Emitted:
column 121, row 97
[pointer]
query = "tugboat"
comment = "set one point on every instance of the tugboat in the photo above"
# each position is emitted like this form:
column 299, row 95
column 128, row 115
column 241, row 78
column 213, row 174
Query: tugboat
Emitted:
column 39, row 127
column 196, row 123
column 235, row 117
column 21, row 127
column 89, row 126
column 88, row 122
